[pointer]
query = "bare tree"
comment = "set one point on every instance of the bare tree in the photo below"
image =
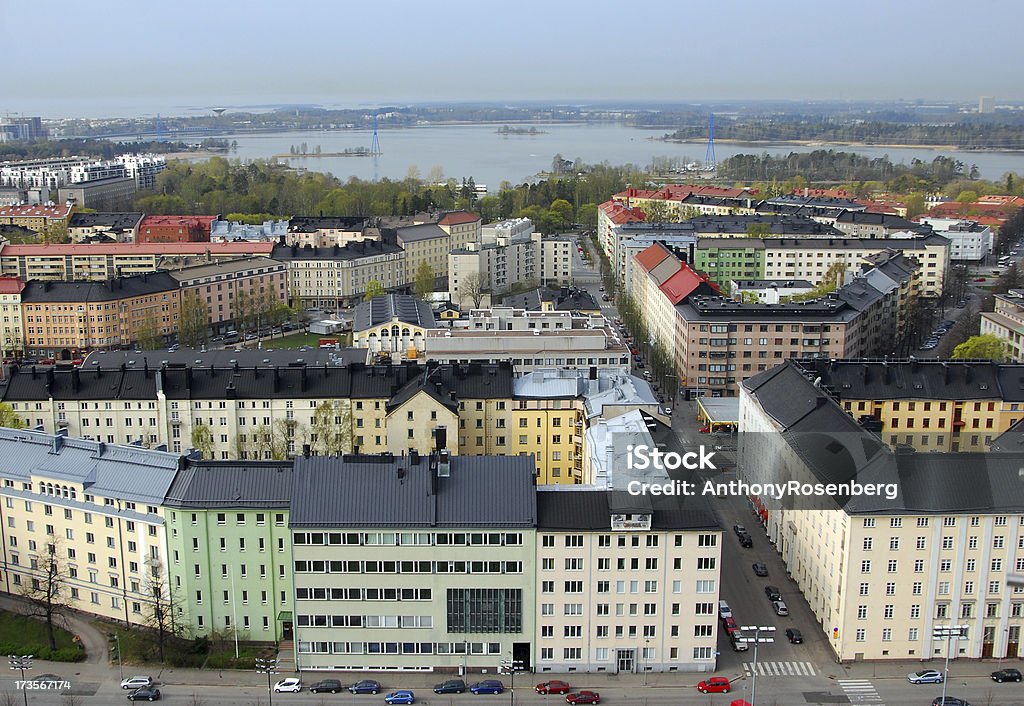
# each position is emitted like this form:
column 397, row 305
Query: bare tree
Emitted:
column 194, row 322
column 331, row 428
column 161, row 606
column 473, row 287
column 202, row 439
column 45, row 593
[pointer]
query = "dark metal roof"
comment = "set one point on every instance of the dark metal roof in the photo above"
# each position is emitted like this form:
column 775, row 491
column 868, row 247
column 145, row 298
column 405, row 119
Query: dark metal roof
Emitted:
column 423, row 231
column 393, row 491
column 917, row 379
column 385, row 308
column 311, row 224
column 227, row 357
column 349, row 251
column 232, row 484
column 118, row 288
column 591, row 509
column 111, row 221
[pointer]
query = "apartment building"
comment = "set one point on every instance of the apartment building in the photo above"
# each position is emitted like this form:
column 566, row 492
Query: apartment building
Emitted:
column 64, row 319
column 115, row 227
column 430, row 560
column 175, row 229
column 222, row 231
column 107, row 194
column 95, row 511
column 53, row 173
column 880, row 572
column 969, row 241
column 631, row 239
column 868, row 224
column 1007, row 322
column 103, row 261
column 929, row 405
column 332, row 277
column 229, row 549
column 220, row 283
column 564, row 299
column 727, row 259
column 12, row 333
column 509, row 253
column 325, row 231
column 395, row 324
column 463, row 227
column 677, row 202
column 36, row 217
column 610, row 215
column 625, row 584
column 768, row 291
column 556, row 255
column 426, row 242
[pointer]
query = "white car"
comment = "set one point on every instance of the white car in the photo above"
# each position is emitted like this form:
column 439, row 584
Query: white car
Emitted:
column 724, row 611
column 291, row 684
column 136, row 682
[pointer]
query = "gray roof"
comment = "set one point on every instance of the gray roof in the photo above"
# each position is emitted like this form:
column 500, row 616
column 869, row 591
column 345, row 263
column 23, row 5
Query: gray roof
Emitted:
column 424, row 231
column 859, row 294
column 772, row 284
column 705, row 307
column 127, row 472
column 530, row 301
column 399, row 491
column 311, row 224
column 777, row 224
column 591, row 509
column 110, row 221
column 80, row 291
column 886, row 220
column 350, row 251
column 383, row 309
column 232, row 484
column 222, row 267
column 268, row 356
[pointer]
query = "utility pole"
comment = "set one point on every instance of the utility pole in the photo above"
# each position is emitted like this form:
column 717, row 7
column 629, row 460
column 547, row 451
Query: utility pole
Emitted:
column 120, row 662
column 511, row 665
column 21, row 663
column 268, row 666
column 757, row 639
column 949, row 633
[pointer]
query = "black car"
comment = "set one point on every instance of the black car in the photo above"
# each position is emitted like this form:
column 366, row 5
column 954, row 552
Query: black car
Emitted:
column 773, row 593
column 452, row 686
column 760, row 568
column 366, row 686
column 1006, row 675
column 149, row 693
column 794, row 636
column 948, row 701
column 745, row 540
column 331, row 685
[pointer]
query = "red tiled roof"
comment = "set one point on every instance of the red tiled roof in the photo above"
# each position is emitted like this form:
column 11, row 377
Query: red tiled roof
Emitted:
column 678, row 192
column 11, row 285
column 454, row 218
column 230, row 248
column 29, row 211
column 652, row 256
column 683, row 283
column 977, row 211
column 188, row 221
column 618, row 213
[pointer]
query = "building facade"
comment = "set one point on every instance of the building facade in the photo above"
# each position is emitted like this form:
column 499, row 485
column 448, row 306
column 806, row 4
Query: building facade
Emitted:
column 337, row 276
column 12, row 333
column 1007, row 322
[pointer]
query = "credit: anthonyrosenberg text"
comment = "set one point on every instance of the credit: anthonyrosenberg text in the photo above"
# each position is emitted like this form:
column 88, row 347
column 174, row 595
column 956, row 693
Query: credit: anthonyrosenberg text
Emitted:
column 765, row 490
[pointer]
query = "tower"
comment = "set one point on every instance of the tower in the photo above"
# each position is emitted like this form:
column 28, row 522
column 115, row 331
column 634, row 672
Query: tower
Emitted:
column 375, row 143
column 709, row 158
column 159, row 129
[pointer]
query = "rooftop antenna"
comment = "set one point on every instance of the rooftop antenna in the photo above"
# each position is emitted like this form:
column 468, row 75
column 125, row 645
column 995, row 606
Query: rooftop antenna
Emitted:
column 709, row 158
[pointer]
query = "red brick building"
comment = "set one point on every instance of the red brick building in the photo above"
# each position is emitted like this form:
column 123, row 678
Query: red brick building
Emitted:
column 175, row 229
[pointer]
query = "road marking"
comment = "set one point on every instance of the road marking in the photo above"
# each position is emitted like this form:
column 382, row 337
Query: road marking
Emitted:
column 781, row 669
column 860, row 691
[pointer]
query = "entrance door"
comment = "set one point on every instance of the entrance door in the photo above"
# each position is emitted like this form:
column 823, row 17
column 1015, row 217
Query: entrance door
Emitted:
column 1013, row 642
column 626, row 659
column 286, row 630
column 988, row 640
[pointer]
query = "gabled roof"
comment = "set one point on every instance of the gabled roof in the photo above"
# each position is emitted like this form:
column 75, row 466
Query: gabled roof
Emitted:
column 386, row 308
column 652, row 256
column 350, row 251
column 37, row 291
column 110, row 221
column 453, row 218
column 423, row 231
column 686, row 282
column 11, row 285
column 916, row 380
column 232, row 484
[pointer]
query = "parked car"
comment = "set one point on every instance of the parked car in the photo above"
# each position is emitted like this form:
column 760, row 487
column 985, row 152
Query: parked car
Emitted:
column 760, row 569
column 1006, row 675
column 746, row 541
column 780, row 607
column 794, row 636
column 730, row 625
column 739, row 641
column 149, row 693
column 331, row 685
column 452, row 686
column 487, row 686
column 583, row 697
column 715, row 685
column 925, row 676
column 948, row 701
column 739, row 529
column 553, row 687
column 366, row 686
column 773, row 593
column 402, row 696
column 724, row 611
column 136, row 682
column 289, row 685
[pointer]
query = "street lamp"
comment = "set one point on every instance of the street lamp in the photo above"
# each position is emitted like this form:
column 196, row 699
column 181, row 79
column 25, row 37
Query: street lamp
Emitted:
column 757, row 639
column 511, row 665
column 647, row 658
column 268, row 666
column 949, row 633
column 1006, row 644
column 120, row 663
column 21, row 663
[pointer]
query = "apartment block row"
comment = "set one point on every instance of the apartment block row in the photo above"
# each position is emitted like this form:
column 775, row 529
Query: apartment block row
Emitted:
column 938, row 545
column 419, row 563
column 57, row 172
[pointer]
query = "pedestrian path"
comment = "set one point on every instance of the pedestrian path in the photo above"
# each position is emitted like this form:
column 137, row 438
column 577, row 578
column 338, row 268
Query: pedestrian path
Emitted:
column 780, row 669
column 860, row 691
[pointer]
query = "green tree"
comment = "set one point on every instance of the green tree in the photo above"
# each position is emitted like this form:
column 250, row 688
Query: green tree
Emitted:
column 829, row 283
column 56, row 233
column 373, row 289
column 916, row 204
column 331, row 428
column 149, row 337
column 424, row 280
column 656, row 211
column 563, row 212
column 587, row 215
column 9, row 418
column 202, row 439
column 759, row 230
column 987, row 346
column 194, row 322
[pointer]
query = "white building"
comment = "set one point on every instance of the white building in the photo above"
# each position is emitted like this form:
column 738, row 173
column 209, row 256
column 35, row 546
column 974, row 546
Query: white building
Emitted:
column 1007, row 322
column 768, row 291
column 969, row 241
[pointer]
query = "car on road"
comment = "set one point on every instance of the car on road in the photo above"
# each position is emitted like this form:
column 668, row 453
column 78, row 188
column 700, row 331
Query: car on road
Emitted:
column 724, row 611
column 760, row 568
column 739, row 529
column 739, row 641
column 452, row 686
column 583, row 697
column 403, row 696
column 331, row 685
column 925, row 676
column 667, row 411
column 290, row 685
column 137, row 682
column 1006, row 675
column 773, row 593
column 601, row 288
column 149, row 693
column 487, row 686
column 780, row 607
column 366, row 686
column 746, row 540
column 948, row 701
column 794, row 636
column 553, row 687
column 731, row 625
column 715, row 685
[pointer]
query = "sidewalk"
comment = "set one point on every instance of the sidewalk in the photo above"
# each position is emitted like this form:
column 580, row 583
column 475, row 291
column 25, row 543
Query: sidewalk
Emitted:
column 958, row 669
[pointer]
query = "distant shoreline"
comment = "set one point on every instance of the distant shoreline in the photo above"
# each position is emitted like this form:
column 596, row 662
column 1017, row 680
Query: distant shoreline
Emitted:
column 828, row 145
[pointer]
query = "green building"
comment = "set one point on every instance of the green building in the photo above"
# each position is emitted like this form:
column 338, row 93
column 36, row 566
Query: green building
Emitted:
column 229, row 549
column 726, row 259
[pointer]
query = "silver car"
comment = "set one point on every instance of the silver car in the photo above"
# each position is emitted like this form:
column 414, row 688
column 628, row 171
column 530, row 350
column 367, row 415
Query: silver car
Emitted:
column 780, row 607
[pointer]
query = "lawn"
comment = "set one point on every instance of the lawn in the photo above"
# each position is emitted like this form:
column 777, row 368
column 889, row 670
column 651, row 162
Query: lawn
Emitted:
column 299, row 339
column 23, row 635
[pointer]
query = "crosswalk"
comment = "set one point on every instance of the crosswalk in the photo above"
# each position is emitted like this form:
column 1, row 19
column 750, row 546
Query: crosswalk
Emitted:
column 860, row 691
column 780, row 669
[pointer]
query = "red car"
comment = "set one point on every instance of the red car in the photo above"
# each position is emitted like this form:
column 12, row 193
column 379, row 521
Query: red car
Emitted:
column 730, row 625
column 705, row 430
column 553, row 687
column 583, row 697
column 979, row 279
column 715, row 685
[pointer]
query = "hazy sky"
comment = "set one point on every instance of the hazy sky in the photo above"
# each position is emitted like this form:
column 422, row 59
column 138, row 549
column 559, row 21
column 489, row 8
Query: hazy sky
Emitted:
column 113, row 57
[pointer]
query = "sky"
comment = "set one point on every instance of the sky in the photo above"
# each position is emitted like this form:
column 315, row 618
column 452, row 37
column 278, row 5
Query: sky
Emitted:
column 68, row 58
